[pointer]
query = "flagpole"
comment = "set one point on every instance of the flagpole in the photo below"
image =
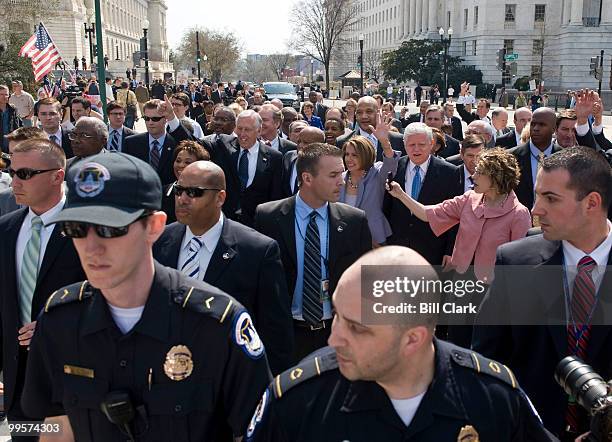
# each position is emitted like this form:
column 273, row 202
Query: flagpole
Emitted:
column 57, row 48
column 101, row 68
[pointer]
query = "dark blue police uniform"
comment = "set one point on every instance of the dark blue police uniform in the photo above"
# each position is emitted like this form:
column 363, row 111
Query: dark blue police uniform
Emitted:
column 470, row 397
column 192, row 365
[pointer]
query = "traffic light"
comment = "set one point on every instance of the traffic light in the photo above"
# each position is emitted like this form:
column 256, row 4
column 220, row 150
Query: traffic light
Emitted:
column 198, row 57
column 193, row 71
column 95, row 50
column 359, row 59
column 593, row 67
column 501, row 59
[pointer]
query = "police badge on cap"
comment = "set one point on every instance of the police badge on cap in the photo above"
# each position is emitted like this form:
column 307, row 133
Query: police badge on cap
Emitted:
column 89, row 181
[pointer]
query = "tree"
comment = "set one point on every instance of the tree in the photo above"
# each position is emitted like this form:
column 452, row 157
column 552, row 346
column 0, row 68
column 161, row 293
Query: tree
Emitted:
column 277, row 63
column 418, row 60
column 256, row 71
column 221, row 49
column 319, row 27
column 371, row 64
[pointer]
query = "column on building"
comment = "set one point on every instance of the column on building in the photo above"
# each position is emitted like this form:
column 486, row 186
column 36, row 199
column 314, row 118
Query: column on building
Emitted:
column 424, row 16
column 433, row 16
column 419, row 17
column 402, row 28
column 567, row 11
column 577, row 6
column 606, row 12
column 413, row 14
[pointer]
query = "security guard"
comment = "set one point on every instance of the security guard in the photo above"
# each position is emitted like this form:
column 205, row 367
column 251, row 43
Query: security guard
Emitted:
column 393, row 382
column 138, row 351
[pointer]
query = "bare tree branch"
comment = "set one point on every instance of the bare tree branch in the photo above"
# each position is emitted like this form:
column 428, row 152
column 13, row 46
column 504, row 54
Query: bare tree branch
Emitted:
column 277, row 63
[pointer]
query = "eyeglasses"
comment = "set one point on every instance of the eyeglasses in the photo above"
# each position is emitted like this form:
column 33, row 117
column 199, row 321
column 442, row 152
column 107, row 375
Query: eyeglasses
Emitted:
column 222, row 119
column 156, row 119
column 192, row 192
column 177, row 104
column 77, row 229
column 74, row 135
column 117, row 114
column 26, row 174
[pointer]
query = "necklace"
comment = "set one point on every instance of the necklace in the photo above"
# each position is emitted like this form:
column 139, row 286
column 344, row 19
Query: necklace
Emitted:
column 493, row 204
column 350, row 180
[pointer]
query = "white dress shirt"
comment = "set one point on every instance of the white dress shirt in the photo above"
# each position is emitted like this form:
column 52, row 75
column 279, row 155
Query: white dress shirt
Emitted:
column 57, row 134
column 253, row 154
column 410, row 174
column 209, row 240
column 572, row 255
column 25, row 232
column 583, row 129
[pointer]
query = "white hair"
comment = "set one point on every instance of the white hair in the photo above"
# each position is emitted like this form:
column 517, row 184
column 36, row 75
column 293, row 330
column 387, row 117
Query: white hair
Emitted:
column 98, row 126
column 418, row 128
column 250, row 113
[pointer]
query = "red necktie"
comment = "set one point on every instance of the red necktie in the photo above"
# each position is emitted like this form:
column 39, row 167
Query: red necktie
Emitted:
column 579, row 330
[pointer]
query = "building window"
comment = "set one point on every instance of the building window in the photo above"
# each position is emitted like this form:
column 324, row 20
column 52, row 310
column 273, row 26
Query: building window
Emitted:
column 538, row 45
column 475, row 17
column 535, row 71
column 464, row 48
column 473, row 47
column 465, row 18
column 448, row 19
column 540, row 13
column 510, row 17
column 509, row 46
column 591, row 16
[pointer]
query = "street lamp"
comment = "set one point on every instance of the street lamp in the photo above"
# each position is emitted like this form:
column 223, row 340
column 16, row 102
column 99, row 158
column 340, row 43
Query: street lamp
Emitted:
column 446, row 43
column 91, row 34
column 198, row 58
column 361, row 38
column 311, row 72
column 205, row 58
column 145, row 28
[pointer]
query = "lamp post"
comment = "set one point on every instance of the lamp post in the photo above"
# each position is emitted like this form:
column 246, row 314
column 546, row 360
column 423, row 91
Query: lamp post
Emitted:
column 205, row 58
column 145, row 28
column 311, row 72
column 198, row 58
column 361, row 38
column 446, row 43
column 91, row 33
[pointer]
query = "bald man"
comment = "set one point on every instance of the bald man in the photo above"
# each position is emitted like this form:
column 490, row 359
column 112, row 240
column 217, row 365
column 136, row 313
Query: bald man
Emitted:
column 393, row 380
column 232, row 257
column 367, row 115
column 289, row 178
column 529, row 155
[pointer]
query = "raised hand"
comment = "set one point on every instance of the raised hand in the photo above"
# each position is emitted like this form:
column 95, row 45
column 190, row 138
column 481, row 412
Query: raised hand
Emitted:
column 585, row 99
column 394, row 189
column 465, row 86
column 383, row 125
column 598, row 112
column 165, row 109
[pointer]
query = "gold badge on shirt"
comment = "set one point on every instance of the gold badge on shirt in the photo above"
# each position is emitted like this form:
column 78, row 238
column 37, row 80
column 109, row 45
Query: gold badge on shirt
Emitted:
column 178, row 365
column 468, row 434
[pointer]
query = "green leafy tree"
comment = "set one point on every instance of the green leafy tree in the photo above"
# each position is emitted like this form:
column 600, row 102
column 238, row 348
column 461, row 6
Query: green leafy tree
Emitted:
column 418, row 60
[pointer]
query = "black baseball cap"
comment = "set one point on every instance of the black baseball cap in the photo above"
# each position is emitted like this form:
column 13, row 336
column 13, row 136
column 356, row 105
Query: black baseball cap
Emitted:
column 110, row 189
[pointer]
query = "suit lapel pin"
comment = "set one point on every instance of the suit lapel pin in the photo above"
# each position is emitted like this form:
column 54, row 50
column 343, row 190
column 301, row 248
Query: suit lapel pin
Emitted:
column 340, row 229
column 264, row 159
column 226, row 255
column 168, row 148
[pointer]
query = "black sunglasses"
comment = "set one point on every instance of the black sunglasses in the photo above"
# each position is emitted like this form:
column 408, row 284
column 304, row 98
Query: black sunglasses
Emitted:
column 77, row 229
column 156, row 119
column 26, row 174
column 192, row 192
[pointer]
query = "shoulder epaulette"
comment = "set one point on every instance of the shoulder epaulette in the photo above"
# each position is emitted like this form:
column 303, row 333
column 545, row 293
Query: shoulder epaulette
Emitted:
column 480, row 364
column 310, row 367
column 216, row 304
column 71, row 293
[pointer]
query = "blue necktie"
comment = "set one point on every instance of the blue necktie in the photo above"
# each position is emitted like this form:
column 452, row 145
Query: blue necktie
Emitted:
column 114, row 145
column 243, row 169
column 416, row 183
column 154, row 160
column 312, row 308
column 191, row 266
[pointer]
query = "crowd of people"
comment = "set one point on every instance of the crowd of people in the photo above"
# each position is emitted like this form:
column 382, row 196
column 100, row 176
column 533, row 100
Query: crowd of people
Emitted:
column 209, row 271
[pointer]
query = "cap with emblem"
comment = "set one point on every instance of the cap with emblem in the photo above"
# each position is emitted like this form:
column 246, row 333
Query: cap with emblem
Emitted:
column 111, row 190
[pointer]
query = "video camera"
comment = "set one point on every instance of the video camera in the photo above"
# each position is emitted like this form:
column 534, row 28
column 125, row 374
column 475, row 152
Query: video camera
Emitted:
column 591, row 392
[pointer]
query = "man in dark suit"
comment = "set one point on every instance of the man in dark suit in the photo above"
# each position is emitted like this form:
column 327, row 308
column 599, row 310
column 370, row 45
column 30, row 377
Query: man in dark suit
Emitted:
column 289, row 180
column 536, row 314
column 467, row 159
column 252, row 169
column 587, row 103
column 319, row 239
column 230, row 256
column 499, row 121
column 223, row 122
column 434, row 117
column 50, row 117
column 272, row 119
column 88, row 138
column 117, row 132
column 429, row 180
column 418, row 117
column 35, row 260
column 195, row 102
column 522, row 116
column 455, row 122
column 156, row 146
column 529, row 155
column 218, row 95
column 368, row 115
column 320, row 109
column 418, row 92
column 482, row 107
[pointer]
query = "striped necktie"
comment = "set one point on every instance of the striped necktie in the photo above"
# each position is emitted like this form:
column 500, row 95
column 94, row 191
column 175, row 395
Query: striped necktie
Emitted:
column 416, row 183
column 579, row 329
column 114, row 145
column 29, row 271
column 312, row 308
column 191, row 266
column 53, row 139
column 154, row 157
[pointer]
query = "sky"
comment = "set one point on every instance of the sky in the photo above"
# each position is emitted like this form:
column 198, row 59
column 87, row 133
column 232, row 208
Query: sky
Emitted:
column 262, row 26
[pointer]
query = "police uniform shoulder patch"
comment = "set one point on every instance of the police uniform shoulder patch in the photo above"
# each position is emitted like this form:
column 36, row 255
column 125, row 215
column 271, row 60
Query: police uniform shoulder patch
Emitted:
column 216, row 304
column 71, row 293
column 258, row 415
column 480, row 364
column 310, row 367
column 245, row 336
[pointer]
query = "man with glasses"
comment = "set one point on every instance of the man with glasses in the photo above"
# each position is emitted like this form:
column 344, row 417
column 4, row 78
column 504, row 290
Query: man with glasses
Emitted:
column 181, row 354
column 117, row 131
column 157, row 145
column 483, row 129
column 88, row 138
column 35, row 259
column 224, row 249
column 50, row 117
column 180, row 104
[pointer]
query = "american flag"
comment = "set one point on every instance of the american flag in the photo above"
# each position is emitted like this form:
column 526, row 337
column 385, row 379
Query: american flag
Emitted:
column 43, row 52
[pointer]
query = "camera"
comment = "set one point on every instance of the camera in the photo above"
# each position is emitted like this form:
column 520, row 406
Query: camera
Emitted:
column 591, row 392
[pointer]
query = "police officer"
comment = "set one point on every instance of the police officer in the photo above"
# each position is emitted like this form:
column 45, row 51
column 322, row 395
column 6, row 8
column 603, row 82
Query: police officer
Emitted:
column 138, row 351
column 392, row 382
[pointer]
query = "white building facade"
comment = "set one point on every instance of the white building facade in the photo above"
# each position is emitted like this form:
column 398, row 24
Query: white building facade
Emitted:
column 558, row 35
